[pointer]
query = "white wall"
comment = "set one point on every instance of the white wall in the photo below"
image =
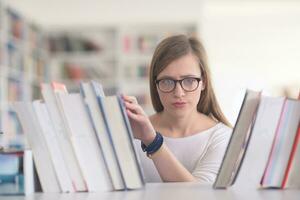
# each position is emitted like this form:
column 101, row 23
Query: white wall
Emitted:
column 251, row 44
column 106, row 12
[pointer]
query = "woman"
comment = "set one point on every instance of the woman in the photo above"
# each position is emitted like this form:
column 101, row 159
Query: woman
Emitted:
column 186, row 138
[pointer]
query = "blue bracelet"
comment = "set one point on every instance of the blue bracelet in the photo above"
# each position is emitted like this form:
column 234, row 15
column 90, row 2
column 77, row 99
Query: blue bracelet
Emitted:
column 154, row 145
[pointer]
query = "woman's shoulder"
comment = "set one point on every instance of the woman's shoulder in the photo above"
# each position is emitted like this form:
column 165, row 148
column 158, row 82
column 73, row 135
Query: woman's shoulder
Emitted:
column 212, row 124
column 221, row 134
column 217, row 130
column 222, row 128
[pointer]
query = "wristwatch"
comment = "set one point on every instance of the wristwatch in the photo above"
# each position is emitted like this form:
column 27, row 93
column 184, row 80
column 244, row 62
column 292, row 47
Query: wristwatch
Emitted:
column 154, row 146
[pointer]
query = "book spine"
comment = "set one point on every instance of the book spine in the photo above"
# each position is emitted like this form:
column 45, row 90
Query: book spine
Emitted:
column 99, row 99
column 88, row 109
column 268, row 165
column 292, row 156
column 28, row 172
column 246, row 142
column 130, row 135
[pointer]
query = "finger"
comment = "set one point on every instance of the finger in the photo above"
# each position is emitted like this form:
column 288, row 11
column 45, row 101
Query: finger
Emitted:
column 132, row 115
column 134, row 108
column 131, row 99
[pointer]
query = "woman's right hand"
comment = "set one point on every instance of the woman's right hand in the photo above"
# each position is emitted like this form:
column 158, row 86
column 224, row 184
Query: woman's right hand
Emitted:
column 139, row 121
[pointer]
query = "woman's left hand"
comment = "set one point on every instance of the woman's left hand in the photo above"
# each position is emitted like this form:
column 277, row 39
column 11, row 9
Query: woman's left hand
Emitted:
column 139, row 121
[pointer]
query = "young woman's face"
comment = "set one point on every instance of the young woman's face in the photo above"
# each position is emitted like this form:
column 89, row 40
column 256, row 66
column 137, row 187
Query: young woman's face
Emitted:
column 183, row 99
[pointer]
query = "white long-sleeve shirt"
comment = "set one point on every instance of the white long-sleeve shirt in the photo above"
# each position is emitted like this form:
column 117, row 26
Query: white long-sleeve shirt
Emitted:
column 201, row 154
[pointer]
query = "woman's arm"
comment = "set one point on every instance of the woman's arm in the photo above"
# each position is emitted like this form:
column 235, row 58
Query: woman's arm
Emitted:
column 168, row 167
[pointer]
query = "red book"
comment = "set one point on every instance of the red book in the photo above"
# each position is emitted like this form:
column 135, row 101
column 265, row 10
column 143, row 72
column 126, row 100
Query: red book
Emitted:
column 273, row 145
column 58, row 86
column 292, row 156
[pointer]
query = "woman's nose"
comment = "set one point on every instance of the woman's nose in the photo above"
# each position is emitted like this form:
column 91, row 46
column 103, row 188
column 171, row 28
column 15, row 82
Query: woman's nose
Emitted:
column 178, row 91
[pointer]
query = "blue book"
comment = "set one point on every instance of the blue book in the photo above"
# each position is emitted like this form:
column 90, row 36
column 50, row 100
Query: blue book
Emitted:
column 16, row 173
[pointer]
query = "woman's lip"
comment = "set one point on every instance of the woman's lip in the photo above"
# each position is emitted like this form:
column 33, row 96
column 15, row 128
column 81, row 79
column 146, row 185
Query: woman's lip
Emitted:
column 178, row 104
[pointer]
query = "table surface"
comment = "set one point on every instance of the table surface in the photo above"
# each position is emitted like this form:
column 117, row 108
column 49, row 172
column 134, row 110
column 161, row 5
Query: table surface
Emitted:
column 166, row 191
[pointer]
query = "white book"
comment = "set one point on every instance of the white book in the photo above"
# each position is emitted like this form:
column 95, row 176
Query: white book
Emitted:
column 53, row 146
column 239, row 141
column 263, row 132
column 63, row 138
column 84, row 141
column 41, row 155
column 28, row 172
column 91, row 92
column 121, row 135
column 282, row 144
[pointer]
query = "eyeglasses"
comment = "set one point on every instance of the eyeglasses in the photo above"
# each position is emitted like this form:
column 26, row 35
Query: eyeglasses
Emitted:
column 188, row 84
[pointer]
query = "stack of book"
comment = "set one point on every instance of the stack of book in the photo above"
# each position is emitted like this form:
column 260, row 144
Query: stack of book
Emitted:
column 80, row 141
column 264, row 148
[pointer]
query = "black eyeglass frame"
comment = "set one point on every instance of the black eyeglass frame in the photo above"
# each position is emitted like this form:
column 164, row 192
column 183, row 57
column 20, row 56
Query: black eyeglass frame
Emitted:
column 180, row 82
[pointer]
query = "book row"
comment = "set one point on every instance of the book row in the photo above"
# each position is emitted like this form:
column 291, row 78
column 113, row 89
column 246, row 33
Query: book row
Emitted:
column 80, row 141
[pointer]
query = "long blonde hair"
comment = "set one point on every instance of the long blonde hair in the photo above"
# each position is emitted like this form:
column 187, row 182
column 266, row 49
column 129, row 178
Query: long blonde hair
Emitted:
column 173, row 48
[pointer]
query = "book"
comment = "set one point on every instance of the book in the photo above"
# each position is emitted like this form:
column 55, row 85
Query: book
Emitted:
column 130, row 135
column 91, row 91
column 263, row 132
column 41, row 155
column 292, row 177
column 53, row 146
column 121, row 136
column 282, row 144
column 16, row 172
column 84, row 141
column 239, row 140
column 68, row 153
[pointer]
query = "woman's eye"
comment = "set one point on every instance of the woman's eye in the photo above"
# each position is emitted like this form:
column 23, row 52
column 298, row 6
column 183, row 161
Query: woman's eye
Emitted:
column 189, row 80
column 167, row 82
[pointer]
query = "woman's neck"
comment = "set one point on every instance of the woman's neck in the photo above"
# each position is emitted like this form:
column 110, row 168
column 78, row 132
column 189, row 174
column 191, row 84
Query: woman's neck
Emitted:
column 175, row 126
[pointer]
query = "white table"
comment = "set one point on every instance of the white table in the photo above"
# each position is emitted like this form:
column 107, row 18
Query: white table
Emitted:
column 170, row 191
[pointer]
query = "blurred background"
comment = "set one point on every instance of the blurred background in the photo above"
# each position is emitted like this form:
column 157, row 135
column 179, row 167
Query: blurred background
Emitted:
column 250, row 44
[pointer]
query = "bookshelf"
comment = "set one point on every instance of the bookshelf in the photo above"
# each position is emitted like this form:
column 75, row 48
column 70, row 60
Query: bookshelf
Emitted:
column 116, row 55
column 119, row 58
column 23, row 65
column 82, row 54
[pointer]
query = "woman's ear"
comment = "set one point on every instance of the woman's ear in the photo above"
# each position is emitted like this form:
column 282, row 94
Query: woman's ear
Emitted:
column 203, row 85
